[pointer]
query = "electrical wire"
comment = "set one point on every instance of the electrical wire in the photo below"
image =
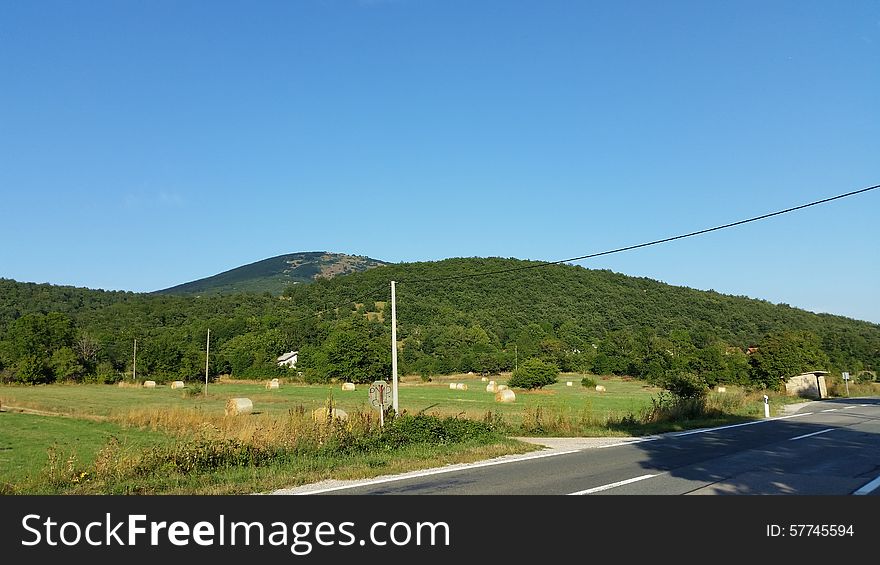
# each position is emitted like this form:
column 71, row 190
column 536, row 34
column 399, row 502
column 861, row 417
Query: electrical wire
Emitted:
column 640, row 245
column 601, row 253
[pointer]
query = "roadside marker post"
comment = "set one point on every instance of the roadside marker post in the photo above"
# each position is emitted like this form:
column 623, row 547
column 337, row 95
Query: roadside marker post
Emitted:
column 379, row 399
column 766, row 406
column 845, row 376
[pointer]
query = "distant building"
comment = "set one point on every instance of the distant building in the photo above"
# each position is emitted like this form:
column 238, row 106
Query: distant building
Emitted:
column 288, row 359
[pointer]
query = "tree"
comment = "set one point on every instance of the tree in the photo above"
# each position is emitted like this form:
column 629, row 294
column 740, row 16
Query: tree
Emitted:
column 533, row 373
column 786, row 354
column 40, row 334
column 353, row 355
column 65, row 364
column 32, row 369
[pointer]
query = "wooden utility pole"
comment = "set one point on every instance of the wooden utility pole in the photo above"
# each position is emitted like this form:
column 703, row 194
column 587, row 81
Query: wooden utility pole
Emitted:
column 134, row 361
column 394, row 397
column 207, row 355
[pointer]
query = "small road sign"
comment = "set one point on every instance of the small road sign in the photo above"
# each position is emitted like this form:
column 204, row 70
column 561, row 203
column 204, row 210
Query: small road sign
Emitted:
column 380, row 398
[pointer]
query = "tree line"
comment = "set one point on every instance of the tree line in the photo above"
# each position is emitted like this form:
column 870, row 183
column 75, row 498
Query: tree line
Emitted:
column 450, row 320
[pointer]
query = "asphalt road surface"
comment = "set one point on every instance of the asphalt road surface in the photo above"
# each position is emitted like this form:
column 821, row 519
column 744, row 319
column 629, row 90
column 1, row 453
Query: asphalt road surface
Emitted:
column 828, row 447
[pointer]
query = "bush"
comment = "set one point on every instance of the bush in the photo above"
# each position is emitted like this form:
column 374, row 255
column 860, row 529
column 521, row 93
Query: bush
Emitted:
column 105, row 373
column 685, row 386
column 588, row 382
column 193, row 389
column 407, row 429
column 533, row 373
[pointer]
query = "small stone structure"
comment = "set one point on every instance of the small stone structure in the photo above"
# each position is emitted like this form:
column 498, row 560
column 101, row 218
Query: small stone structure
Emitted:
column 807, row 385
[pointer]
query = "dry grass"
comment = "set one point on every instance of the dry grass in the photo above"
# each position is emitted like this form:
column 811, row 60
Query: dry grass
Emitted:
column 294, row 430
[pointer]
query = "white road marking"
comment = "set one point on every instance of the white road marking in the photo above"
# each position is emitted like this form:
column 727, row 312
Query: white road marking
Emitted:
column 831, row 410
column 868, row 488
column 850, row 407
column 610, row 486
column 798, row 415
column 812, row 434
column 428, row 473
column 650, row 438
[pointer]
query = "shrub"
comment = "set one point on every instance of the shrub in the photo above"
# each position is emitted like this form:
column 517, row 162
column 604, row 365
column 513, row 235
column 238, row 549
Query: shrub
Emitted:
column 685, row 386
column 588, row 382
column 193, row 389
column 533, row 373
column 408, row 429
column 105, row 373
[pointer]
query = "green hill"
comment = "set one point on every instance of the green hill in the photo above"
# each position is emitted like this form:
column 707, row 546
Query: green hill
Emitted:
column 453, row 316
column 273, row 275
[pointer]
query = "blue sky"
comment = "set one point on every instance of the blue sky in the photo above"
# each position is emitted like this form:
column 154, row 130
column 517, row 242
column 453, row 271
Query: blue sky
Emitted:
column 145, row 144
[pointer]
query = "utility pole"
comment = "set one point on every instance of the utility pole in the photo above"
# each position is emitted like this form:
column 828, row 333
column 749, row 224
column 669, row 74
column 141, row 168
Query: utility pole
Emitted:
column 394, row 398
column 207, row 355
column 134, row 361
column 515, row 357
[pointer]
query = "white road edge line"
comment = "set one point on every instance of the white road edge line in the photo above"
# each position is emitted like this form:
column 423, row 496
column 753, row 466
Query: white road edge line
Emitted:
column 868, row 488
column 812, row 434
column 798, row 415
column 831, row 410
column 428, row 473
column 850, row 407
column 650, row 438
column 610, row 486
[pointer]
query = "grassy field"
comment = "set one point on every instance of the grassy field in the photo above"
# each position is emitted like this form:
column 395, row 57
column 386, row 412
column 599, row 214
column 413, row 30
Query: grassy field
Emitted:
column 622, row 396
column 111, row 439
column 27, row 439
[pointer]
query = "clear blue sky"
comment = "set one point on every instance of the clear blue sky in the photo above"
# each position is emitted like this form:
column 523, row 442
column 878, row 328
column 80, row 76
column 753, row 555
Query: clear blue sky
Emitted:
column 145, row 144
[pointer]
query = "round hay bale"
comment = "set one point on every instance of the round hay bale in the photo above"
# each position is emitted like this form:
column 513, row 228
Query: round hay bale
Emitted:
column 505, row 395
column 177, row 384
column 149, row 384
column 452, row 386
column 239, row 406
column 348, row 386
column 501, row 387
column 721, row 389
column 492, row 387
column 484, row 379
column 321, row 414
column 600, row 388
column 461, row 386
column 567, row 383
column 272, row 385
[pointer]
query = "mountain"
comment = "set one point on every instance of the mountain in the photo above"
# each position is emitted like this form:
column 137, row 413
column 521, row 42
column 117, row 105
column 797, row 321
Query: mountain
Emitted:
column 273, row 275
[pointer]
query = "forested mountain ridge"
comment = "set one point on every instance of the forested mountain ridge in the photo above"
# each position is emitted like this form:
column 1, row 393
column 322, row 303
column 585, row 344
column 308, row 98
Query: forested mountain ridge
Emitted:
column 451, row 316
column 274, row 274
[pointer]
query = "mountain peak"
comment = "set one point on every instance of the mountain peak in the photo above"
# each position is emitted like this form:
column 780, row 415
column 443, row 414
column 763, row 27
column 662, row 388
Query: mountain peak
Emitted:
column 276, row 273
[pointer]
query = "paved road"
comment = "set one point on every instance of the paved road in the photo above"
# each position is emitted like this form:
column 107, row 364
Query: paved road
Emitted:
column 829, row 447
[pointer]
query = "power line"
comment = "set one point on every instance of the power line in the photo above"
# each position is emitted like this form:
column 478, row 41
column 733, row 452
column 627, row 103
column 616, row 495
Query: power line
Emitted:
column 646, row 244
column 372, row 291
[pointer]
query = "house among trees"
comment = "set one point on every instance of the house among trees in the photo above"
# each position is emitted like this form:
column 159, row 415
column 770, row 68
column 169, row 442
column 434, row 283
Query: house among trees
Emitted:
column 288, row 359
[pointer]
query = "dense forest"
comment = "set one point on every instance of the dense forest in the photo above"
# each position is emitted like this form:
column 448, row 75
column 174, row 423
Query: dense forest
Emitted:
column 456, row 315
